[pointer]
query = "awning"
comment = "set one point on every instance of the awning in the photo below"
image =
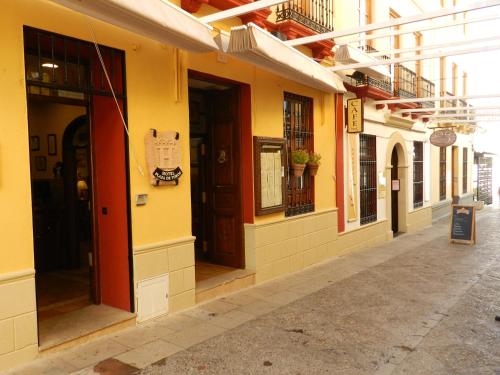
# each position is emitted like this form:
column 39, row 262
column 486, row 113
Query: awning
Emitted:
column 350, row 55
column 257, row 46
column 159, row 20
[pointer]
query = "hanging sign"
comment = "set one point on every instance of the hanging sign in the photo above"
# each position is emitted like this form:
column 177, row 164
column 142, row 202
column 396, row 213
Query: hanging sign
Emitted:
column 163, row 156
column 443, row 138
column 355, row 116
column 463, row 224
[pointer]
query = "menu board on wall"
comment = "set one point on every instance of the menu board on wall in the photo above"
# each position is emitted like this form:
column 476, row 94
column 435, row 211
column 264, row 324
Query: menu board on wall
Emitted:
column 269, row 165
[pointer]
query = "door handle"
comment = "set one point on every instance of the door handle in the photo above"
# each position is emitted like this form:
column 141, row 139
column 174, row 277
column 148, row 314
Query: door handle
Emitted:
column 222, row 157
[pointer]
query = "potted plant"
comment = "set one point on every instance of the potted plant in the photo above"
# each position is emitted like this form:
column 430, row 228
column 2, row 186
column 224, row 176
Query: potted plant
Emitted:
column 313, row 163
column 299, row 160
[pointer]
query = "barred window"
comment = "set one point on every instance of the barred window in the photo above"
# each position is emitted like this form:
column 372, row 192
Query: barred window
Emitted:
column 368, row 177
column 298, row 129
column 418, row 174
column 442, row 173
column 464, row 168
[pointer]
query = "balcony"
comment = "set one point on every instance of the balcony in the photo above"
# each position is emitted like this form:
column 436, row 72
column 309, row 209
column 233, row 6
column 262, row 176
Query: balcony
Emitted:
column 294, row 19
column 426, row 89
column 405, row 83
column 365, row 86
column 448, row 104
column 316, row 15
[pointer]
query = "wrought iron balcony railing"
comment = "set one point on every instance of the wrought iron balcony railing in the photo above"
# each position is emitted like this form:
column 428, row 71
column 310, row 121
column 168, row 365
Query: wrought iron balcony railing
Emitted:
column 449, row 103
column 426, row 89
column 359, row 80
column 317, row 15
column 405, row 82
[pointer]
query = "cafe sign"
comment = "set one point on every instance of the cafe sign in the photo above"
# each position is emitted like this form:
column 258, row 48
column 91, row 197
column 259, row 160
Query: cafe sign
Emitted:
column 355, row 116
column 443, row 138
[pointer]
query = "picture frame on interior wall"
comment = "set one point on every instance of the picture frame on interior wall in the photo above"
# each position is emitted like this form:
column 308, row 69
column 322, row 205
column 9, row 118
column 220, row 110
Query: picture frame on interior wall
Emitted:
column 52, row 144
column 40, row 163
column 34, row 143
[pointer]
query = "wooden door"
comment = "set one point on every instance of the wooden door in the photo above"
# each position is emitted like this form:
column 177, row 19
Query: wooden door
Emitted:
column 227, row 222
column 394, row 193
column 110, row 203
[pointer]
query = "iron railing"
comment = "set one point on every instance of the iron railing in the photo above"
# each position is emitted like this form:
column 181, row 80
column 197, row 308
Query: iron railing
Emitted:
column 317, row 15
column 426, row 89
column 360, row 80
column 405, row 82
column 449, row 103
column 368, row 178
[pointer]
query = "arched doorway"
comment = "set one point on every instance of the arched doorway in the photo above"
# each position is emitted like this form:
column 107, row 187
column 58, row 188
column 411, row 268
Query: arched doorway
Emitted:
column 396, row 175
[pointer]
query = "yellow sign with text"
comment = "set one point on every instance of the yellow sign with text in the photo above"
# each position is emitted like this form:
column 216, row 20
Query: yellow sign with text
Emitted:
column 355, row 120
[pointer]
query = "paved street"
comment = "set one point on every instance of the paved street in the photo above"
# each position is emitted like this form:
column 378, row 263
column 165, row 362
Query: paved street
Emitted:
column 415, row 305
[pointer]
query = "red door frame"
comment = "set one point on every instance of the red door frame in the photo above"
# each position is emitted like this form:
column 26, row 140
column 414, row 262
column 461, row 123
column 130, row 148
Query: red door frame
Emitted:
column 246, row 146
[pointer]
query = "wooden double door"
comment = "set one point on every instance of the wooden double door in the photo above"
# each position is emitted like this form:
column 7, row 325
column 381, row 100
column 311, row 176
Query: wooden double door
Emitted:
column 215, row 135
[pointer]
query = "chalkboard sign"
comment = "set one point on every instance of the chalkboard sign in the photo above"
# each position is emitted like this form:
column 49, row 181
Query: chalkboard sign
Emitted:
column 463, row 224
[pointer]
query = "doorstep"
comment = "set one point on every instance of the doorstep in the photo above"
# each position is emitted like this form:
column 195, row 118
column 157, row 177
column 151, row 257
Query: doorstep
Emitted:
column 222, row 283
column 82, row 325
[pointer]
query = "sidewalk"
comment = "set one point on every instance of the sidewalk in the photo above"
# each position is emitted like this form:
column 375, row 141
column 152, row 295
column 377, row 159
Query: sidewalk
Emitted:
column 415, row 305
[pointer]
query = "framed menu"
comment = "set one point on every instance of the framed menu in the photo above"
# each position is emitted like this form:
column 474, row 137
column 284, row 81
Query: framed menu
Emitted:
column 270, row 164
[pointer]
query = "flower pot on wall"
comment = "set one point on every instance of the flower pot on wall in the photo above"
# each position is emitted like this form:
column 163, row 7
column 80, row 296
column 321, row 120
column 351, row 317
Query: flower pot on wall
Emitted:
column 313, row 169
column 298, row 169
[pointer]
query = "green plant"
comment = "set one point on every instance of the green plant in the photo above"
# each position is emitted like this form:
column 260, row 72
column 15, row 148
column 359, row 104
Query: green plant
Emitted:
column 300, row 156
column 314, row 158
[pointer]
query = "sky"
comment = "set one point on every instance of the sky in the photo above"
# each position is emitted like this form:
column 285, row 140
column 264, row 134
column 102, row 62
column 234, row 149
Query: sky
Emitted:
column 483, row 71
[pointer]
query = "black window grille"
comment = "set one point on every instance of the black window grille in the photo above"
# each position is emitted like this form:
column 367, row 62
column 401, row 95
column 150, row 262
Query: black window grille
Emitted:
column 442, row 173
column 368, row 178
column 465, row 170
column 418, row 174
column 299, row 132
column 58, row 65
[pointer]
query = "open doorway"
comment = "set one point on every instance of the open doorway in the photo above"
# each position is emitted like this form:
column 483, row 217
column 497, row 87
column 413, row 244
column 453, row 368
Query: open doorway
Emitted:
column 394, row 192
column 80, row 209
column 216, row 191
column 61, row 188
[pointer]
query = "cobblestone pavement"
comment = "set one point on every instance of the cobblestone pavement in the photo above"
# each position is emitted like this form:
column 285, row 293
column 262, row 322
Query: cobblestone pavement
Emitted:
column 414, row 305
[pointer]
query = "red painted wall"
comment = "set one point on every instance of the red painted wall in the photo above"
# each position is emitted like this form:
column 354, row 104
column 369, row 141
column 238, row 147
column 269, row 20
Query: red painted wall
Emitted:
column 110, row 193
column 339, row 170
column 246, row 154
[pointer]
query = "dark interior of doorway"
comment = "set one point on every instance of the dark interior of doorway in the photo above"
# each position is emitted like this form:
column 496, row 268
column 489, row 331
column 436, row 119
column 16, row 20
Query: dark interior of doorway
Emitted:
column 215, row 177
column 394, row 193
column 61, row 182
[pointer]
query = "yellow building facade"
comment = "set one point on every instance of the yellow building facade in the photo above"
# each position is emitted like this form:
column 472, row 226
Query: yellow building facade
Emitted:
column 157, row 267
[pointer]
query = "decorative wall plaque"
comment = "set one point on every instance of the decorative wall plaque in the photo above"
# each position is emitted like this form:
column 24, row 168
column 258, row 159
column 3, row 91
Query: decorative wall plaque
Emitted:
column 443, row 138
column 163, row 157
column 270, row 164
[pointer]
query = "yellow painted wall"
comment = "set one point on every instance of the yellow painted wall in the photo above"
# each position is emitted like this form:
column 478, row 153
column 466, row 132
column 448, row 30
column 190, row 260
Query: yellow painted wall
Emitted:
column 152, row 103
